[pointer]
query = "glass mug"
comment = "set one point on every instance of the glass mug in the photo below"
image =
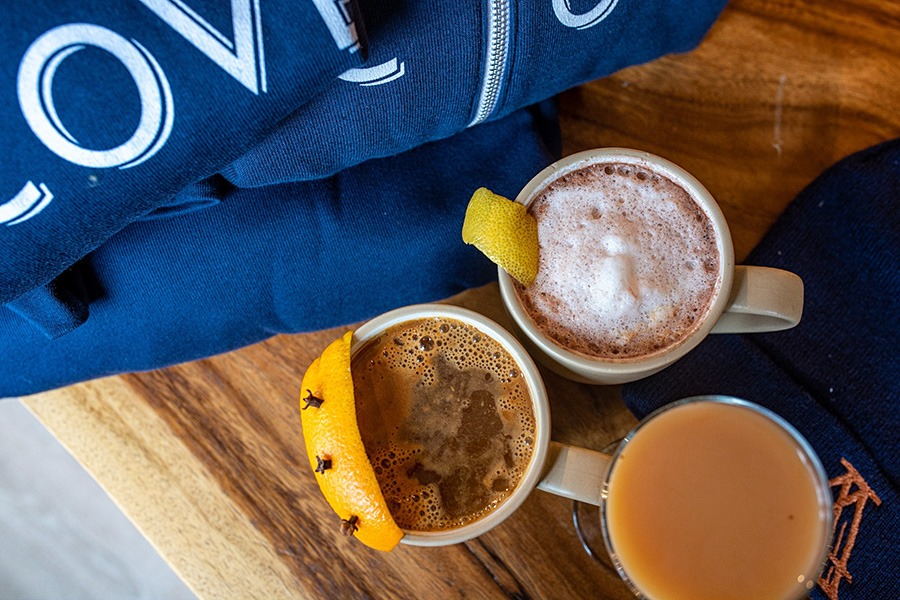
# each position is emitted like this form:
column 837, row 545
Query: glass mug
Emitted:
column 596, row 478
column 742, row 299
column 707, row 497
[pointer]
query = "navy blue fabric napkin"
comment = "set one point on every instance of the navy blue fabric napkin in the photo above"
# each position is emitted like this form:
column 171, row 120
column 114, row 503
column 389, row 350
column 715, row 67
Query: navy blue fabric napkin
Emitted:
column 836, row 376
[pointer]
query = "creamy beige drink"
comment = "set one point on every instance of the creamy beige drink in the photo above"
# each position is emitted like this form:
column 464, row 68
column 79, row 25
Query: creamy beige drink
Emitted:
column 446, row 419
column 714, row 500
column 629, row 262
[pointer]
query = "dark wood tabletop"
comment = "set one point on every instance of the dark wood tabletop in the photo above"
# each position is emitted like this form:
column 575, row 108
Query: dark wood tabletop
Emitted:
column 207, row 458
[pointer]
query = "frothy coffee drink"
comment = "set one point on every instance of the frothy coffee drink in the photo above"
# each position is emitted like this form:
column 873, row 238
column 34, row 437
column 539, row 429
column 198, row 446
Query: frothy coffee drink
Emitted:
column 629, row 263
column 446, row 419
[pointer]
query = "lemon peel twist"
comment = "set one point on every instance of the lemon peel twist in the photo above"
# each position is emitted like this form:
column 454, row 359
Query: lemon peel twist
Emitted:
column 505, row 232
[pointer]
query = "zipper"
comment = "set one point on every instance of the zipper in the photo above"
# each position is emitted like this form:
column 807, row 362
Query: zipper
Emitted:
column 497, row 55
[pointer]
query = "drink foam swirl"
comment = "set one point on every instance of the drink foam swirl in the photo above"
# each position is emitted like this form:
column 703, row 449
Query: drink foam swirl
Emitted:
column 628, row 262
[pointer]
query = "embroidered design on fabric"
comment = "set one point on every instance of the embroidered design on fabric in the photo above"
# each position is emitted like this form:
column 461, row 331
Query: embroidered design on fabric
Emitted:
column 241, row 57
column 854, row 492
column 337, row 16
column 34, row 85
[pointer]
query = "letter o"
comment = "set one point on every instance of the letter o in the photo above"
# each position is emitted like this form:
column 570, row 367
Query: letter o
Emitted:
column 35, row 84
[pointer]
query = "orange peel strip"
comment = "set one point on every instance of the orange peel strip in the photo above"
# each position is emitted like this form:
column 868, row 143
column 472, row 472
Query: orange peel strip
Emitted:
column 331, row 433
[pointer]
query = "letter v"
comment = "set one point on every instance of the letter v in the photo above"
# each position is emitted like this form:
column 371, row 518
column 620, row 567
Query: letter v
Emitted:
column 243, row 58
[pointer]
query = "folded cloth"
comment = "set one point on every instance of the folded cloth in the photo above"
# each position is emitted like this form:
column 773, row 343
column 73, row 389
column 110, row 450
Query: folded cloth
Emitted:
column 111, row 109
column 435, row 68
column 129, row 115
column 282, row 258
column 836, row 376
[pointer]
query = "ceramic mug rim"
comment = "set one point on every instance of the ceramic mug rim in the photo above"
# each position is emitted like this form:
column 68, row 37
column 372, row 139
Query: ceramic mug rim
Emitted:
column 641, row 365
column 536, row 391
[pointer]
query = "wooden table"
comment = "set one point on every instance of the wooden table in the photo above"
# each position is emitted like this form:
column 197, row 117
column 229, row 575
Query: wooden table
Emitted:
column 207, row 458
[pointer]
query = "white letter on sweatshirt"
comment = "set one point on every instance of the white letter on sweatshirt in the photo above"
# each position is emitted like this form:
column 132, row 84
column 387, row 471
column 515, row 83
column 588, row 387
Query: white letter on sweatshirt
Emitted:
column 35, row 91
column 242, row 58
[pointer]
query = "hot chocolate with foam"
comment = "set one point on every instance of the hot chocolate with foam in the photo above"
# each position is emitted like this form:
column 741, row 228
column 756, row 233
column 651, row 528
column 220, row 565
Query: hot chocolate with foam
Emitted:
column 446, row 419
column 629, row 263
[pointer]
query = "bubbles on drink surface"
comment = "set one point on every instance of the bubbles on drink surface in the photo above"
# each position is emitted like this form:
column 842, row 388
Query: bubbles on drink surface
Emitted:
column 446, row 419
column 628, row 262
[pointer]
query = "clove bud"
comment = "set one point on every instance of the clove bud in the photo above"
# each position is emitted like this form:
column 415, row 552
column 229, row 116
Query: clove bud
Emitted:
column 312, row 400
column 348, row 526
column 324, row 464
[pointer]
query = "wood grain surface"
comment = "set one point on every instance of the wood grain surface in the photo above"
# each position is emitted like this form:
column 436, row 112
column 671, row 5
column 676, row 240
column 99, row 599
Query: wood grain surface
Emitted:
column 206, row 458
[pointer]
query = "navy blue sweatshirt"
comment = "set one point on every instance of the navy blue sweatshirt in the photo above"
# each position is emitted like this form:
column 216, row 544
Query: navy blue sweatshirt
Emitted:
column 182, row 178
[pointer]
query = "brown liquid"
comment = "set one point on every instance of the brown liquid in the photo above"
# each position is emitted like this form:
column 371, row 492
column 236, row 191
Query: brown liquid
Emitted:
column 711, row 501
column 628, row 262
column 446, row 420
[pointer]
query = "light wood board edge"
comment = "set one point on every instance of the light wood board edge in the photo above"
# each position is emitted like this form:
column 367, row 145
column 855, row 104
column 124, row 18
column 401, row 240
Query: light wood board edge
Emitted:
column 169, row 495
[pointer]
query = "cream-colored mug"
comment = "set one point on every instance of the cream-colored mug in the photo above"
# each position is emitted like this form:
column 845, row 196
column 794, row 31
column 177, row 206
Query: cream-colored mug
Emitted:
column 536, row 392
column 746, row 298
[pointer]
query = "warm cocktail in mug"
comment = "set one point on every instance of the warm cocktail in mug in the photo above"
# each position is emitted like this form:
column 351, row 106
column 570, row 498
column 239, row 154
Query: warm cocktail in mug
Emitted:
column 448, row 414
column 635, row 268
column 706, row 498
column 710, row 494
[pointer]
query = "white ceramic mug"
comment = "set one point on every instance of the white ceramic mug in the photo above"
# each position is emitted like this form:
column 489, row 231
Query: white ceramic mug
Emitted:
column 748, row 299
column 536, row 392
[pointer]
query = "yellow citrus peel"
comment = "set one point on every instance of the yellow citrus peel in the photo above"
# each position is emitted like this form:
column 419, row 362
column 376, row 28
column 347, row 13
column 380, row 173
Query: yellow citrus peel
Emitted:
column 504, row 231
column 332, row 434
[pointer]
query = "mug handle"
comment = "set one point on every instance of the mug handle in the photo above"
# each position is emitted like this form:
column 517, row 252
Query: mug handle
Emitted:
column 574, row 473
column 762, row 299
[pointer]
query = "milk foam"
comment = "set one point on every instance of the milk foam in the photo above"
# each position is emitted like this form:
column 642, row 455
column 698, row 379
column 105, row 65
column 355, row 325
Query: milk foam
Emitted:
column 628, row 262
